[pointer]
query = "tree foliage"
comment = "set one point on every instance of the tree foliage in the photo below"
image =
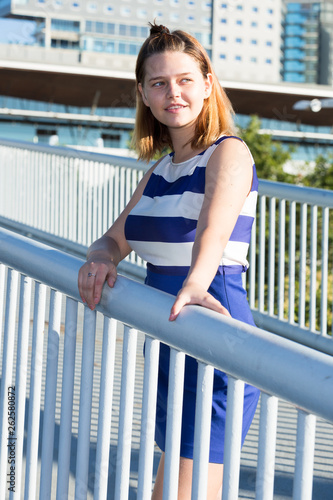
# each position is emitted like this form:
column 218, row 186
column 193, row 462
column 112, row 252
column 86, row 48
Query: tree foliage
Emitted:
column 269, row 155
column 322, row 174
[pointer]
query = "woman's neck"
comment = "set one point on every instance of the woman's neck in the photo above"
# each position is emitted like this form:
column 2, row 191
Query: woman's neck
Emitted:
column 182, row 146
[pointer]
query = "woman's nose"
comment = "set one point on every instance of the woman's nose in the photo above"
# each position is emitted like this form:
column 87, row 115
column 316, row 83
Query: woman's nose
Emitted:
column 173, row 90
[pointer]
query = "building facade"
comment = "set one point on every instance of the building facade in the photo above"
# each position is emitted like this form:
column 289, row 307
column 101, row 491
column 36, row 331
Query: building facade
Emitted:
column 247, row 40
column 308, row 42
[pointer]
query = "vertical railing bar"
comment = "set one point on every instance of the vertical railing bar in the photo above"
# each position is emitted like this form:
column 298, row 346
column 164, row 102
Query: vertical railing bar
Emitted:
column 67, row 399
column 203, row 414
column 282, row 254
column 313, row 267
column 85, row 199
column 99, row 201
column 35, row 392
column 86, row 387
column 266, row 448
column 105, row 408
column 271, row 257
column 111, row 209
column 324, row 273
column 80, row 188
column 21, row 377
column 2, row 295
column 50, row 394
column 126, row 414
column 302, row 266
column 232, row 440
column 116, row 193
column 7, row 373
column 106, row 204
column 94, row 203
column 262, row 241
column 305, row 445
column 252, row 268
column 292, row 258
column 173, row 424
column 146, row 454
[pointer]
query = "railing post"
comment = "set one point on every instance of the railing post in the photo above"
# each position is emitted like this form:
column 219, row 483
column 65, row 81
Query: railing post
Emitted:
column 232, row 440
column 87, row 375
column 35, row 392
column 67, row 399
column 126, row 414
column 174, row 424
column 266, row 451
column 105, row 408
column 6, row 378
column 303, row 478
column 203, row 415
column 146, row 455
column 50, row 395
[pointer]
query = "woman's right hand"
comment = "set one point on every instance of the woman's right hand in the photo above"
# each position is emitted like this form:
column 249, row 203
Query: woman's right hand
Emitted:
column 92, row 276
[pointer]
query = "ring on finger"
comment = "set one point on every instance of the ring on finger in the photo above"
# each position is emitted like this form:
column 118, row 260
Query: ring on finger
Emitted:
column 91, row 274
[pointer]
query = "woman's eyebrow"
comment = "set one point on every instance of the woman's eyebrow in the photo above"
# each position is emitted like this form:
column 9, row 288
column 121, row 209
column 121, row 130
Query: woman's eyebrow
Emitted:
column 161, row 77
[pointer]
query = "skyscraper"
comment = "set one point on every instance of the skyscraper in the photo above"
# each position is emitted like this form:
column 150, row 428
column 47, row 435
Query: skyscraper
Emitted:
column 308, row 42
column 247, row 40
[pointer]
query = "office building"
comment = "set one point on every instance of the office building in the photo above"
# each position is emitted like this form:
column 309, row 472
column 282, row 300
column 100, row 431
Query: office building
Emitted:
column 308, row 42
column 247, row 40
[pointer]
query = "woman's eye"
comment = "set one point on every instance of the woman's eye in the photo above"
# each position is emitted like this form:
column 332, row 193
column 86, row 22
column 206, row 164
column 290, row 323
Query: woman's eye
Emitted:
column 157, row 84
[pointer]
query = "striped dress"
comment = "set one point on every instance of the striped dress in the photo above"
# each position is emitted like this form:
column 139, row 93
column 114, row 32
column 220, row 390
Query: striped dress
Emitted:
column 161, row 229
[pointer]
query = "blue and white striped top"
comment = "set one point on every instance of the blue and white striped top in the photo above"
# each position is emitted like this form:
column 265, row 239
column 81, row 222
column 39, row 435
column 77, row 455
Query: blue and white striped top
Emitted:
column 161, row 227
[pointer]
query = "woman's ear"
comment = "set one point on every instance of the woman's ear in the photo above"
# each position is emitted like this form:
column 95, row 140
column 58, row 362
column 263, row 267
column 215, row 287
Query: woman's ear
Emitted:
column 208, row 85
column 144, row 99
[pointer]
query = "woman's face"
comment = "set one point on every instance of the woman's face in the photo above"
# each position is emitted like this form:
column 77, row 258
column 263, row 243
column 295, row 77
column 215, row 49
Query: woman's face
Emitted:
column 174, row 89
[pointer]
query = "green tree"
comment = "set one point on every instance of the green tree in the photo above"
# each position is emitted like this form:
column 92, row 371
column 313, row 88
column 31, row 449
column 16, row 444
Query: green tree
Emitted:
column 269, row 155
column 322, row 174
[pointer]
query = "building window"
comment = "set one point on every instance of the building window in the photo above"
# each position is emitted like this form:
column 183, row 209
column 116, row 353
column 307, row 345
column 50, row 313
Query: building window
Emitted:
column 268, row 61
column 254, row 42
column 254, row 9
column 174, row 16
column 270, row 11
column 190, row 19
column 224, row 6
column 223, row 38
column 126, row 11
column 239, row 40
column 223, row 21
column 239, row 7
column 269, row 43
column 92, row 7
column 223, row 56
column 108, row 9
column 239, row 22
column 270, row 26
column 238, row 58
column 75, row 5
column 253, row 59
column 254, row 24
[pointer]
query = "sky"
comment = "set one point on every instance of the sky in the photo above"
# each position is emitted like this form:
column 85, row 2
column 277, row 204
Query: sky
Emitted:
column 16, row 31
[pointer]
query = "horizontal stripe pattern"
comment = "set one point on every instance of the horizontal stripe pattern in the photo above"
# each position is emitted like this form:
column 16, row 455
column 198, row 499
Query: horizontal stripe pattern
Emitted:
column 161, row 227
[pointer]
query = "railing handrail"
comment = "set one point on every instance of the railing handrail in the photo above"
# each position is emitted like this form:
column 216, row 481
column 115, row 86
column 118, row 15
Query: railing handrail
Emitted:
column 289, row 192
column 276, row 365
column 68, row 152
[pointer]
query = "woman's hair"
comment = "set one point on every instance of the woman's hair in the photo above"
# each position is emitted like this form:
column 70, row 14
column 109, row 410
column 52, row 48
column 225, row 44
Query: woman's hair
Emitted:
column 216, row 117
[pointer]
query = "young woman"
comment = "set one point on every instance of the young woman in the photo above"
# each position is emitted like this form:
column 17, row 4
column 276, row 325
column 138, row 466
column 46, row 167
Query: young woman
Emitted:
column 190, row 218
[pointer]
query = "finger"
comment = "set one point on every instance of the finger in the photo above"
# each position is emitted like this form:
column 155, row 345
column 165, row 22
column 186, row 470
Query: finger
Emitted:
column 179, row 303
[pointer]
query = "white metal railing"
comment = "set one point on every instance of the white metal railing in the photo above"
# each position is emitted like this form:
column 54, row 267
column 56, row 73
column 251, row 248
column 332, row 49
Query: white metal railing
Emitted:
column 304, row 378
column 77, row 195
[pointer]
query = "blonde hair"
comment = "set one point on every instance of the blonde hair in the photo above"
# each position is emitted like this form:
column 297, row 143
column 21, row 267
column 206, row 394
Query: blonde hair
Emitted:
column 216, row 117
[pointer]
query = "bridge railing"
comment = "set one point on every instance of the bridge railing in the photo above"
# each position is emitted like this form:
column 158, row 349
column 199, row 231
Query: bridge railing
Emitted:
column 279, row 367
column 76, row 196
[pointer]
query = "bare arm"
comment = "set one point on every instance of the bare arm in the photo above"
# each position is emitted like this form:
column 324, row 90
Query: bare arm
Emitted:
column 228, row 182
column 104, row 254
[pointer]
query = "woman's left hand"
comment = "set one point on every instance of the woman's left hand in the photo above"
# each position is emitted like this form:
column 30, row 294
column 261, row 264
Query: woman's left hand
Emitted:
column 195, row 294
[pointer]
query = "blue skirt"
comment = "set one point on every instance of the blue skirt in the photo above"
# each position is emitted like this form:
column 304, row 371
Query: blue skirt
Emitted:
column 228, row 289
